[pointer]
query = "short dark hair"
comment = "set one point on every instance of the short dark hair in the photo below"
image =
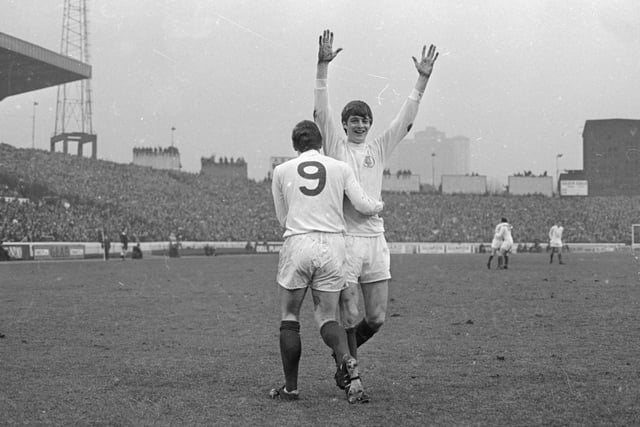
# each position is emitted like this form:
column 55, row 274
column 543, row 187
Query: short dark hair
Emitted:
column 306, row 136
column 356, row 108
column 504, row 219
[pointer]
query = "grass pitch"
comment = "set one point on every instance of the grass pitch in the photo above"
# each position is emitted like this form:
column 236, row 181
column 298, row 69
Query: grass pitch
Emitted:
column 194, row 341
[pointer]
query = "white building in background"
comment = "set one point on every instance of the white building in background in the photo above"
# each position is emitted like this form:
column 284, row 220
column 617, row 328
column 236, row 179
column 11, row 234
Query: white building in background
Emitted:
column 157, row 158
column 432, row 148
column 464, row 184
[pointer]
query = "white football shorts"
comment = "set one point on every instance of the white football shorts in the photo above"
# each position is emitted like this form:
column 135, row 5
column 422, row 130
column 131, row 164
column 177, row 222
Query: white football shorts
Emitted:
column 368, row 259
column 506, row 247
column 313, row 259
column 495, row 244
column 555, row 243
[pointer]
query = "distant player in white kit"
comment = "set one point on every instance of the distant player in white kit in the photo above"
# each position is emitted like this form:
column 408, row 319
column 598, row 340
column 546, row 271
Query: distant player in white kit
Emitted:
column 308, row 194
column 496, row 243
column 555, row 241
column 506, row 246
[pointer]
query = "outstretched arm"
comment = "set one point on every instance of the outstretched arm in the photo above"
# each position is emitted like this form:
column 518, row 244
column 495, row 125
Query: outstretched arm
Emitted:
column 332, row 132
column 425, row 67
column 402, row 123
column 326, row 54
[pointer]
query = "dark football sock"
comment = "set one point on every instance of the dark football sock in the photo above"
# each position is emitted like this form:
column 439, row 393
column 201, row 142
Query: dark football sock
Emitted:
column 290, row 351
column 335, row 337
column 506, row 260
column 364, row 332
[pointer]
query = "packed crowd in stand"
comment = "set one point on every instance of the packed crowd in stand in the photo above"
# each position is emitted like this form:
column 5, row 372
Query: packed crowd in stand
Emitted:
column 55, row 197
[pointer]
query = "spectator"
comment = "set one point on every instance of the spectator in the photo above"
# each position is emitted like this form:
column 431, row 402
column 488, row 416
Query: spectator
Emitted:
column 136, row 252
column 35, row 184
column 106, row 245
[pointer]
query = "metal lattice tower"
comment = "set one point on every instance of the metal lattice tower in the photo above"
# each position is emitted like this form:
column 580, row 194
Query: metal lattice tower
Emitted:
column 73, row 106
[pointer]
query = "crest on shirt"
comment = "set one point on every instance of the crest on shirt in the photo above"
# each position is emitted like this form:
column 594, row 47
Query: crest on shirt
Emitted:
column 369, row 162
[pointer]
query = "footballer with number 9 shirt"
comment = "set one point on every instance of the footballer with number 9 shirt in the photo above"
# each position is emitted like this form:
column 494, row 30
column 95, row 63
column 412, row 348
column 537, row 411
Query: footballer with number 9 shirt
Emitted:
column 308, row 193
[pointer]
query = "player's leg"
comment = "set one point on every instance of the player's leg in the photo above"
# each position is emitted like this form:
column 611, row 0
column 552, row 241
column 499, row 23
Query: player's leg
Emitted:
column 290, row 342
column 292, row 283
column 335, row 337
column 375, row 297
column 324, row 312
column 505, row 248
column 356, row 334
column 350, row 315
column 560, row 255
column 495, row 246
column 355, row 248
column 553, row 250
column 374, row 280
column 328, row 285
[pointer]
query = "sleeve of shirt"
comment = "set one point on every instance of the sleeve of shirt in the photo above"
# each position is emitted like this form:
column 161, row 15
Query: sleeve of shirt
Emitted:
column 399, row 127
column 331, row 132
column 359, row 199
column 278, row 197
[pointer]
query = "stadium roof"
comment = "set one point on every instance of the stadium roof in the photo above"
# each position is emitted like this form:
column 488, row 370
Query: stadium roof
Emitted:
column 25, row 67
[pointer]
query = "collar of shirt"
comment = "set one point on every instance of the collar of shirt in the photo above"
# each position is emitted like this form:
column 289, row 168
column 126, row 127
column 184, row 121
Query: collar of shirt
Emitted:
column 357, row 147
column 309, row 153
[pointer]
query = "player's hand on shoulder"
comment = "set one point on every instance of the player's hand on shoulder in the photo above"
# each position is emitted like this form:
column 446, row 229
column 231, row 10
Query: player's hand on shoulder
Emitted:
column 325, row 49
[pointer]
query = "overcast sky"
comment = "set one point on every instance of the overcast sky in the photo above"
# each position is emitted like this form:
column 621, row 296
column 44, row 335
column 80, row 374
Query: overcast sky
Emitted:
column 518, row 78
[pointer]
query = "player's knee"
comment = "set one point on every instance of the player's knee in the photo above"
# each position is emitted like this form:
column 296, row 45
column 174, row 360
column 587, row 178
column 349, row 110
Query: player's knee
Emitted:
column 349, row 314
column 376, row 320
column 322, row 318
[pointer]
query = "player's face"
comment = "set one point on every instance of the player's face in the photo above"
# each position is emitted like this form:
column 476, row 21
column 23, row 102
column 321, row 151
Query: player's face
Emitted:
column 357, row 128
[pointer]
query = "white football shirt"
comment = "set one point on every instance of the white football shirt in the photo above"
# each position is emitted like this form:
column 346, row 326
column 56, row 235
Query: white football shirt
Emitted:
column 308, row 193
column 368, row 159
column 555, row 236
column 505, row 232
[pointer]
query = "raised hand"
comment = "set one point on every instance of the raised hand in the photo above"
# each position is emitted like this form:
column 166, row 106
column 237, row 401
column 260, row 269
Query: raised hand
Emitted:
column 425, row 65
column 325, row 50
